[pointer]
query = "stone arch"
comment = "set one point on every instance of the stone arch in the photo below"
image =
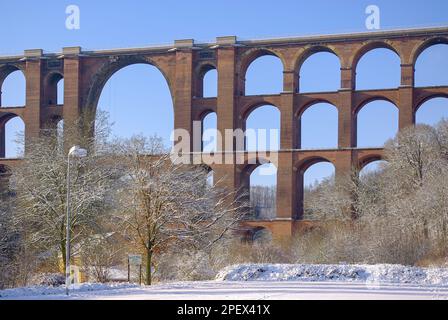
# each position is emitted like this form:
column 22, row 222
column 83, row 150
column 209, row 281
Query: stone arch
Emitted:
column 7, row 69
column 369, row 164
column 367, row 48
column 52, row 81
column 5, row 72
column 368, row 100
column 146, row 107
column 366, row 160
column 263, row 192
column 255, row 108
column 200, row 72
column 206, row 128
column 372, row 46
column 250, row 56
column 247, row 109
column 434, row 98
column 299, row 112
column 430, row 65
column 4, row 119
column 113, row 65
column 308, row 53
column 426, row 98
column 418, row 49
column 307, row 107
column 204, row 113
column 252, row 164
column 361, row 106
column 304, row 164
column 304, row 55
column 300, row 168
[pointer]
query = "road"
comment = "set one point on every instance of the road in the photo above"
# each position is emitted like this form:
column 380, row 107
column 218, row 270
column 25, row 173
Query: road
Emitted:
column 263, row 290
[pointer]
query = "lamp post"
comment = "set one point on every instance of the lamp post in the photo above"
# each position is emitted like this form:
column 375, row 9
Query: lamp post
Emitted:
column 77, row 152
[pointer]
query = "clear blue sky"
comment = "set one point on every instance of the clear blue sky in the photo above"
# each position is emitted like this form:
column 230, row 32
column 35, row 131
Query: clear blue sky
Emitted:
column 111, row 24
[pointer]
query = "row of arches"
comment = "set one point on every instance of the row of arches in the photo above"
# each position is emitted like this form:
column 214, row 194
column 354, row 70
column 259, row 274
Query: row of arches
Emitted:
column 378, row 68
column 12, row 136
column 260, row 183
column 13, row 88
column 376, row 122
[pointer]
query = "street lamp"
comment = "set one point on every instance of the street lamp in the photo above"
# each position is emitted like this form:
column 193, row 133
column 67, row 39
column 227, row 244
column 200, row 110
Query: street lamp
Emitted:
column 77, row 152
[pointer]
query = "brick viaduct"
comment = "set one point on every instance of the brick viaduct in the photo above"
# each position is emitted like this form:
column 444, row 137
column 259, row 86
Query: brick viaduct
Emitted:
column 184, row 65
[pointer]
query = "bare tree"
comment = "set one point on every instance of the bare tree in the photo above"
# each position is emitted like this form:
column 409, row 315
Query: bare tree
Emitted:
column 41, row 186
column 329, row 199
column 167, row 206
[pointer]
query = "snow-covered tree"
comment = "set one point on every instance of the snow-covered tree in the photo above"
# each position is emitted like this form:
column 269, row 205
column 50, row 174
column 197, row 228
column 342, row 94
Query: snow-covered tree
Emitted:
column 9, row 241
column 40, row 183
column 401, row 210
column 167, row 206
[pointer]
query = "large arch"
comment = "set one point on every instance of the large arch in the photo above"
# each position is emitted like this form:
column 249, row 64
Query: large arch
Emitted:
column 262, row 128
column 319, row 71
column 377, row 66
column 110, row 67
column 263, row 73
column 432, row 110
column 12, row 87
column 146, row 108
column 376, row 122
column 431, row 67
column 318, row 124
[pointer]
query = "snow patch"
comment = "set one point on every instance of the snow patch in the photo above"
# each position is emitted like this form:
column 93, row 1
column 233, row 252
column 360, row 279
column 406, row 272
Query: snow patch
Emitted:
column 381, row 273
column 50, row 290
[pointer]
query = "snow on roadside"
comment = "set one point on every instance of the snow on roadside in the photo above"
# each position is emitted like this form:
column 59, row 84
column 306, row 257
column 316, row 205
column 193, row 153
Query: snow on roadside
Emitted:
column 380, row 273
column 372, row 275
column 49, row 290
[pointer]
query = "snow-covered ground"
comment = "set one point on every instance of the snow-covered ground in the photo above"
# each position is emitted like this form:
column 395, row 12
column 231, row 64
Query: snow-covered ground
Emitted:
column 271, row 282
column 373, row 274
column 236, row 290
